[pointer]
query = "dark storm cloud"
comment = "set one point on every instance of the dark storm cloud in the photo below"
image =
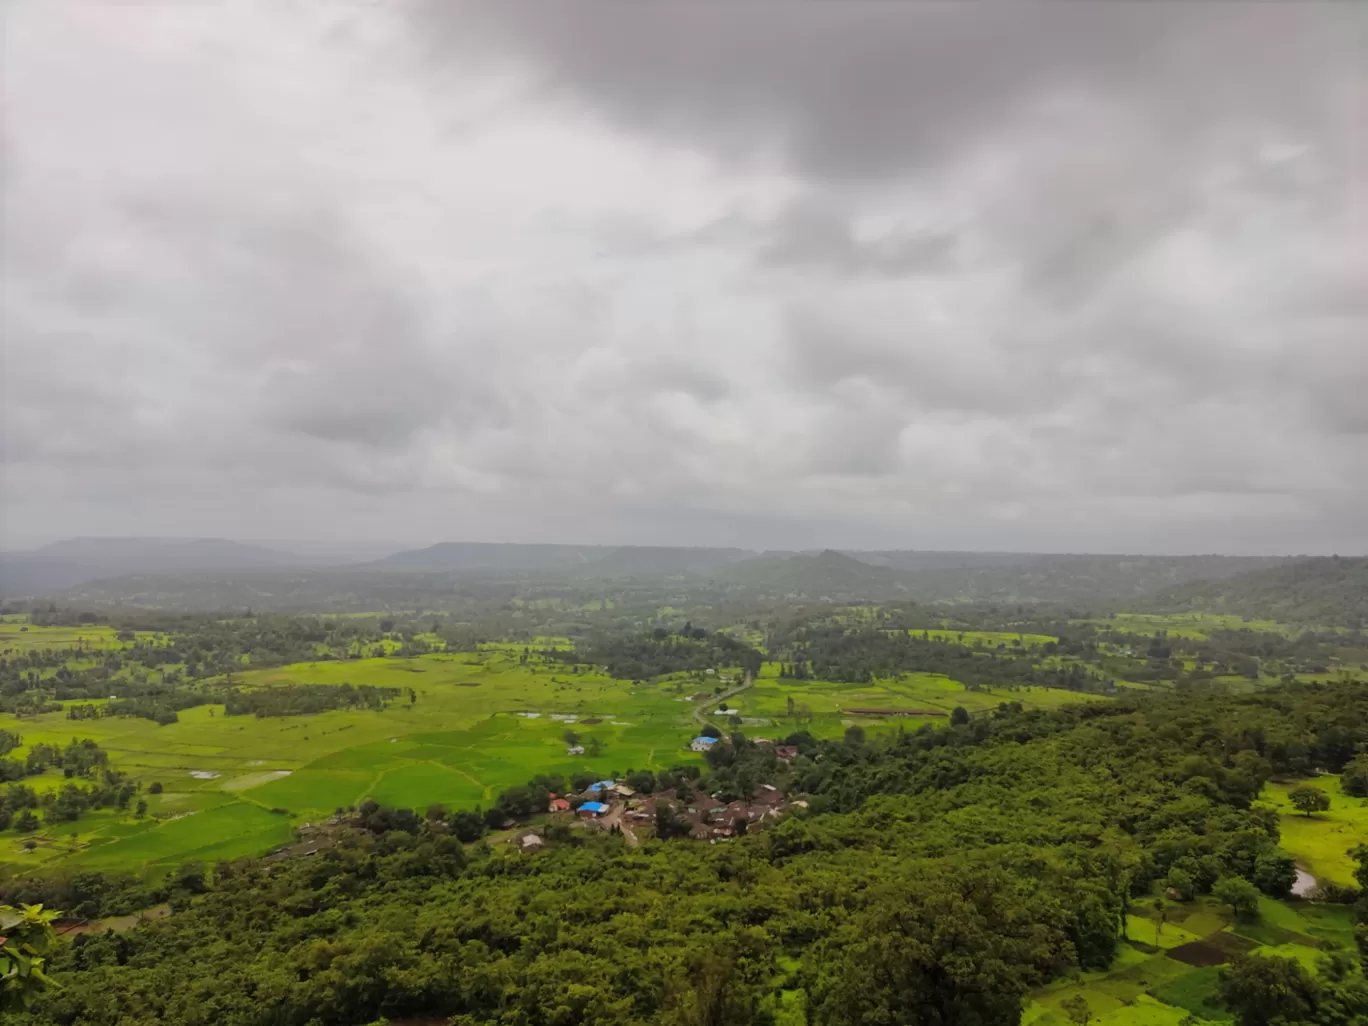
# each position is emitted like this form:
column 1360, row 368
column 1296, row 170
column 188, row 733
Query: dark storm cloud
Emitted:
column 855, row 90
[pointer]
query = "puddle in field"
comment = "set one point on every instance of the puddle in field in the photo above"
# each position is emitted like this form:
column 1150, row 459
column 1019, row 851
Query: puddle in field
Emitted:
column 1304, row 884
column 564, row 717
column 204, row 774
column 531, row 715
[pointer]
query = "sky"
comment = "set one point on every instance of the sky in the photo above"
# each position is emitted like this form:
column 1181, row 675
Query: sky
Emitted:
column 1011, row 276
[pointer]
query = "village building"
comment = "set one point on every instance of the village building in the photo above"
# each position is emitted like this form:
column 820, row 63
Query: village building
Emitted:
column 575, row 750
column 591, row 809
column 702, row 744
column 558, row 805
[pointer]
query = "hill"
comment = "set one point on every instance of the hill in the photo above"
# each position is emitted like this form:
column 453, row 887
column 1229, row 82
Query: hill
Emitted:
column 1330, row 590
column 661, row 561
column 445, row 557
column 827, row 574
column 76, row 561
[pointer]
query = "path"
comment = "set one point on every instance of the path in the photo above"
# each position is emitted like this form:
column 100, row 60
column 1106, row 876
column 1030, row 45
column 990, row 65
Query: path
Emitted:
column 717, row 700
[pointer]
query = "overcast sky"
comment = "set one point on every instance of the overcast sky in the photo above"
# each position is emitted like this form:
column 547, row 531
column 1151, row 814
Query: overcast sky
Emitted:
column 997, row 275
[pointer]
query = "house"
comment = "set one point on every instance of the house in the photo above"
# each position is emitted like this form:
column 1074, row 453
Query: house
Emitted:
column 558, row 805
column 575, row 750
column 786, row 753
column 530, row 842
column 768, row 795
column 600, row 787
column 592, row 809
column 702, row 744
column 624, row 790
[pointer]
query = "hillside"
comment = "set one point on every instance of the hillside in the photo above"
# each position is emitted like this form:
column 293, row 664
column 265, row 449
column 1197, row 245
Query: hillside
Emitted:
column 445, row 557
column 1330, row 590
column 827, row 574
column 662, row 561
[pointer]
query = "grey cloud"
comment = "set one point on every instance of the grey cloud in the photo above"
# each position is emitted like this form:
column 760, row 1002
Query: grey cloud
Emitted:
column 936, row 275
column 815, row 234
column 853, row 90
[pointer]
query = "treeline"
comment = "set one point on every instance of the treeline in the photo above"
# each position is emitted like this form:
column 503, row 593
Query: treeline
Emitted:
column 862, row 654
column 640, row 655
column 302, row 699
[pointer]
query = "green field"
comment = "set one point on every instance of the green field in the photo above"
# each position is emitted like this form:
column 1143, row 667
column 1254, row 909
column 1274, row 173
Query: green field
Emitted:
column 1197, row 626
column 17, row 637
column 1147, row 985
column 480, row 723
column 1321, row 842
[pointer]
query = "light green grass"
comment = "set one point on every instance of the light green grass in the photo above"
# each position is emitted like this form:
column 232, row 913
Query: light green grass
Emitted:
column 1322, row 841
column 482, row 722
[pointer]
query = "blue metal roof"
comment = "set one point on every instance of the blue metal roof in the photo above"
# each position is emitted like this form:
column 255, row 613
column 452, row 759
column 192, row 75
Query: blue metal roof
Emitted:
column 600, row 785
column 709, row 740
column 594, row 806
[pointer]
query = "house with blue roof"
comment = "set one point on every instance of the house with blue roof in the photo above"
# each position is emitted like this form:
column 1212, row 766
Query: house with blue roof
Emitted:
column 602, row 785
column 702, row 744
column 593, row 809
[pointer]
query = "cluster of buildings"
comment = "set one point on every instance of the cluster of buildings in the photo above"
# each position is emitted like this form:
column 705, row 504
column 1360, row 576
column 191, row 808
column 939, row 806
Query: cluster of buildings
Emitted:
column 611, row 804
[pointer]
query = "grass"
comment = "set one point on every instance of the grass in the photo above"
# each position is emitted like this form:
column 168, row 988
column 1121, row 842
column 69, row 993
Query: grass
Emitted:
column 1321, row 842
column 1196, row 626
column 1149, row 987
column 481, row 722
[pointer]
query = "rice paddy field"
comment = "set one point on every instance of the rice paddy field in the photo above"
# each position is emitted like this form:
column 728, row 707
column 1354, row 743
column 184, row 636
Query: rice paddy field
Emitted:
column 1165, row 975
column 478, row 723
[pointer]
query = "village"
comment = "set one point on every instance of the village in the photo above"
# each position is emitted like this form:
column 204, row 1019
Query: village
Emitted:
column 615, row 807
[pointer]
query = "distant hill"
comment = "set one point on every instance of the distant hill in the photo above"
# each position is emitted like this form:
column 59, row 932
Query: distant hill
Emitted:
column 1330, row 590
column 445, row 557
column 66, row 564
column 605, row 561
column 661, row 561
column 827, row 574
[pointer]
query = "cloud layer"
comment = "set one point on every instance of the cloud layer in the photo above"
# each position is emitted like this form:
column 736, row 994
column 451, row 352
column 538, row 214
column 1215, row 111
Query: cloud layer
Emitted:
column 996, row 276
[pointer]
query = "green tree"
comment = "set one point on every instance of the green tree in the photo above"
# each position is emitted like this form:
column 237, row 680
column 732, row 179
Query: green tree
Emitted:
column 959, row 716
column 1076, row 1008
column 1237, row 892
column 1354, row 779
column 1309, row 799
column 1263, row 991
column 26, row 938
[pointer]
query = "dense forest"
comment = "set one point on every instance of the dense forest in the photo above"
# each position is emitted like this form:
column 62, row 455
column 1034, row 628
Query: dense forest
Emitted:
column 936, row 877
column 638, row 655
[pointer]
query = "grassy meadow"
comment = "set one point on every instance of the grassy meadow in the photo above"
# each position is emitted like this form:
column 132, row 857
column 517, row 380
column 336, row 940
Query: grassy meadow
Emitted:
column 1321, row 842
column 477, row 723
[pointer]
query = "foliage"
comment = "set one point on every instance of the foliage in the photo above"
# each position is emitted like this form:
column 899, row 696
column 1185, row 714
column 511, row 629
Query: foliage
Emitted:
column 1237, row 892
column 26, row 938
column 1309, row 799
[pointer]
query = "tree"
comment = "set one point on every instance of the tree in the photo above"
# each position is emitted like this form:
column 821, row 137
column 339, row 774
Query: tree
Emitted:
column 141, row 810
column 1274, row 873
column 855, row 735
column 1180, row 881
column 959, row 716
column 1237, row 892
column 1354, row 779
column 155, row 787
column 1076, row 1008
column 1309, row 799
column 26, row 938
column 571, row 738
column 1261, row 991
